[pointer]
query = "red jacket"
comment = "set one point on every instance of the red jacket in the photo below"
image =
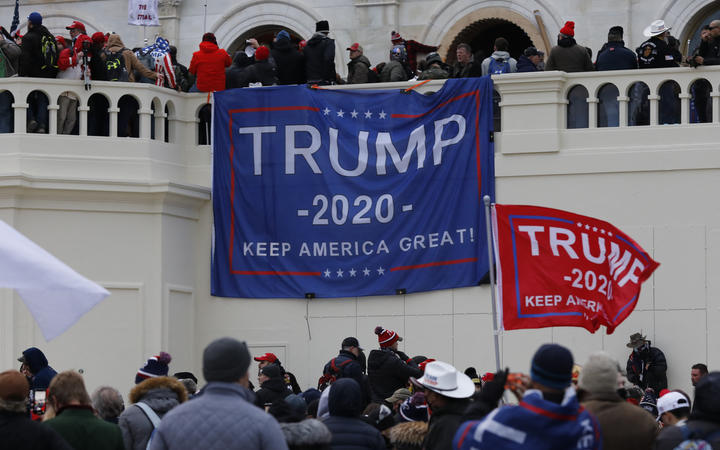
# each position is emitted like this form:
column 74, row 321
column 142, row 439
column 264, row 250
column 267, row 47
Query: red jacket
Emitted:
column 209, row 65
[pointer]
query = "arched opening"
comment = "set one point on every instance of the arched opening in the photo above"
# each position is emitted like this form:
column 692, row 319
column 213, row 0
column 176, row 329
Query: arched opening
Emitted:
column 204, row 118
column 481, row 36
column 128, row 118
column 690, row 36
column 37, row 112
column 67, row 114
column 700, row 104
column 497, row 113
column 577, row 108
column 169, row 112
column 155, row 118
column 639, row 105
column 669, row 108
column 265, row 34
column 98, row 116
column 7, row 116
column 608, row 109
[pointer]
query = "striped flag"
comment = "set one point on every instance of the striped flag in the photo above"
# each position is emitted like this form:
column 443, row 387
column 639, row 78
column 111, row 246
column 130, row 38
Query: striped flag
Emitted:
column 16, row 17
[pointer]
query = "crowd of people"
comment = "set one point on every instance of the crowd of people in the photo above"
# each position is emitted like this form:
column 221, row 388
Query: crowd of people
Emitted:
column 385, row 401
column 286, row 61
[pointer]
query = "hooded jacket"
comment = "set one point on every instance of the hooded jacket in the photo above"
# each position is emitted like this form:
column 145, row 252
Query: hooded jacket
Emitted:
column 499, row 56
column 358, row 70
column 408, row 435
column 161, row 394
column 525, row 65
column 289, row 62
column 615, row 56
column 262, row 72
column 271, row 390
column 535, row 423
column 209, row 64
column 388, row 373
column 235, row 75
column 569, row 57
column 349, row 432
column 115, row 44
column 320, row 59
column 624, row 426
column 306, row 434
column 38, row 364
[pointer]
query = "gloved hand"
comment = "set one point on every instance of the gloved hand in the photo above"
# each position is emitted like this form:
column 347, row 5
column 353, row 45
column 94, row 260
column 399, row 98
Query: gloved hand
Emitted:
column 492, row 391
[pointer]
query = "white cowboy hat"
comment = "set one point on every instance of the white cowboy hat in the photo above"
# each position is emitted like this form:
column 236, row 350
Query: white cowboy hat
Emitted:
column 656, row 28
column 445, row 379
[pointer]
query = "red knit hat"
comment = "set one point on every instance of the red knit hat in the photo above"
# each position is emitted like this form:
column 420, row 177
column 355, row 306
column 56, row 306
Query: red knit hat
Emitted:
column 386, row 338
column 395, row 36
column 262, row 53
column 568, row 29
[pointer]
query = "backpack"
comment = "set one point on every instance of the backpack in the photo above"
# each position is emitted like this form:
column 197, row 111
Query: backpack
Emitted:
column 48, row 53
column 332, row 374
column 498, row 66
column 693, row 440
column 115, row 65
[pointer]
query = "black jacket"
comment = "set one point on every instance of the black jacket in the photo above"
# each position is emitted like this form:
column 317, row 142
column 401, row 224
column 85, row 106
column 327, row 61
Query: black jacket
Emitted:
column 320, row 59
column 655, row 53
column 349, row 432
column 17, row 431
column 289, row 63
column 671, row 437
column 615, row 56
column 31, row 60
column 525, row 65
column 388, row 372
column 236, row 75
column 271, row 390
column 655, row 375
column 443, row 424
column 262, row 72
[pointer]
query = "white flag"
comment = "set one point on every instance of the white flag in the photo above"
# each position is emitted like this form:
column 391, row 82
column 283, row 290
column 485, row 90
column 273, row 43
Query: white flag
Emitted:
column 55, row 294
column 143, row 12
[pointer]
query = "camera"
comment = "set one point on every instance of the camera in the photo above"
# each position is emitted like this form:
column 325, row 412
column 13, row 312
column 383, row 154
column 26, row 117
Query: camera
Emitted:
column 38, row 403
column 86, row 46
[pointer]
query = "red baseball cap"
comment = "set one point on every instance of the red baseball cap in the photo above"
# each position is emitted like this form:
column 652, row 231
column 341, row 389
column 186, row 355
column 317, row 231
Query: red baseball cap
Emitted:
column 355, row 47
column 76, row 25
column 269, row 357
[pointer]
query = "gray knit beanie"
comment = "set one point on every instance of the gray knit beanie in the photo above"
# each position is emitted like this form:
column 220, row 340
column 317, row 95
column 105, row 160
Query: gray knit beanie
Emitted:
column 599, row 374
column 225, row 359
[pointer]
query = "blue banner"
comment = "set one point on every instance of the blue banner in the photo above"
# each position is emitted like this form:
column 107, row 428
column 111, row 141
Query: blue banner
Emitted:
column 350, row 193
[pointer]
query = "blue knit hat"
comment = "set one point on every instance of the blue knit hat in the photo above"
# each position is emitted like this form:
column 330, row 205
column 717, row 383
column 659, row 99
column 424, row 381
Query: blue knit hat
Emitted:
column 283, row 35
column 552, row 366
column 157, row 366
column 35, row 18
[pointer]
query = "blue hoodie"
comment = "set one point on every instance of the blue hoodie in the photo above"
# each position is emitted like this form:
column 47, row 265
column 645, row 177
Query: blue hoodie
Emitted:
column 534, row 424
column 36, row 361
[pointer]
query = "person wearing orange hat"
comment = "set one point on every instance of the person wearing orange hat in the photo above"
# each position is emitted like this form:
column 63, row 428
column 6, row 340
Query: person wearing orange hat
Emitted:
column 388, row 368
column 568, row 56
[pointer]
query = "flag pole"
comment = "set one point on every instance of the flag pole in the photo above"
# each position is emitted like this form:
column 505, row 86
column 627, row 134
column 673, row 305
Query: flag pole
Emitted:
column 205, row 17
column 491, row 271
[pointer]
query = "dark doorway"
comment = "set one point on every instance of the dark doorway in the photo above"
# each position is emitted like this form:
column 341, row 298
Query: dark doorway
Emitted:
column 265, row 35
column 481, row 36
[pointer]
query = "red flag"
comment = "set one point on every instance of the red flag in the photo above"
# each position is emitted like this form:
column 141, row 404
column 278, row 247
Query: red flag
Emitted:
column 556, row 268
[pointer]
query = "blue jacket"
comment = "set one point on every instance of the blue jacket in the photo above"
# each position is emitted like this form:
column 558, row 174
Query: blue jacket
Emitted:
column 534, row 424
column 525, row 65
column 615, row 56
column 36, row 361
column 222, row 418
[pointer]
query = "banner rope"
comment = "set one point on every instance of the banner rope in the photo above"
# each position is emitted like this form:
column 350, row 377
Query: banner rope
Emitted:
column 416, row 86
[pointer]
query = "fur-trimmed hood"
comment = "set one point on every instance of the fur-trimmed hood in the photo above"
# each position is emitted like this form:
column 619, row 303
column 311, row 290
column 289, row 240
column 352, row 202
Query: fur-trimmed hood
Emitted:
column 144, row 389
column 309, row 432
column 408, row 434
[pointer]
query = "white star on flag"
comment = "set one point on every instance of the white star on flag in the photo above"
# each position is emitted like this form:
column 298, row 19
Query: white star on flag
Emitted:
column 339, row 273
column 368, row 114
column 380, row 271
column 341, row 113
column 366, row 272
column 382, row 114
column 352, row 272
column 327, row 273
column 354, row 114
column 326, row 111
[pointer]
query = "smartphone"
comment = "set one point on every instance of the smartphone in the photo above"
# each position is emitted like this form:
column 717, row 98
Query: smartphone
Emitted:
column 38, row 402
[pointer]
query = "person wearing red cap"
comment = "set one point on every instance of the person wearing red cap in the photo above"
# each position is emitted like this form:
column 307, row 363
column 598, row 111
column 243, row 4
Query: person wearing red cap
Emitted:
column 359, row 65
column 266, row 359
column 388, row 368
column 568, row 56
column 412, row 48
column 262, row 71
column 208, row 65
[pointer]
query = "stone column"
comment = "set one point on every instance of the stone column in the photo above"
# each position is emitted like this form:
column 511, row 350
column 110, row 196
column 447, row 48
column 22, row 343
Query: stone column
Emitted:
column 169, row 15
